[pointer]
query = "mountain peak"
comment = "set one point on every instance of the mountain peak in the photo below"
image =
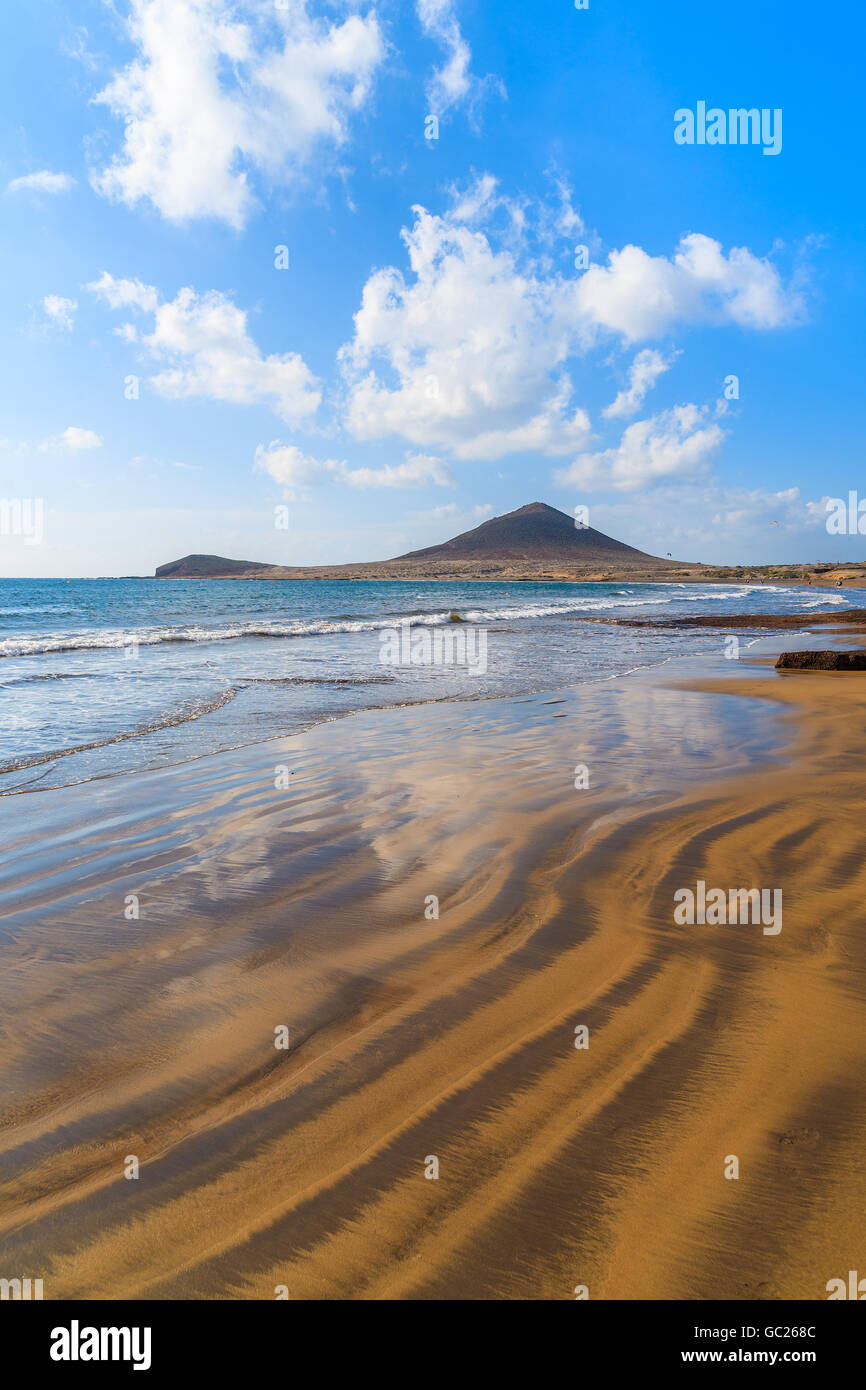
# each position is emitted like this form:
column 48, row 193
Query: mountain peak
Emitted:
column 535, row 533
column 206, row 566
column 535, row 541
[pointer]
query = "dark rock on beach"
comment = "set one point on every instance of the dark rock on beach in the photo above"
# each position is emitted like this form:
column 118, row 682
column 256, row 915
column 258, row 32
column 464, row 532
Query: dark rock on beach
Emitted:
column 848, row 617
column 822, row 661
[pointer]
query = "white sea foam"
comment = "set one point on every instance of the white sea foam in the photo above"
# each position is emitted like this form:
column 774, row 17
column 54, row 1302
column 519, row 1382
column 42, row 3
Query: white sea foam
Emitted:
column 117, row 639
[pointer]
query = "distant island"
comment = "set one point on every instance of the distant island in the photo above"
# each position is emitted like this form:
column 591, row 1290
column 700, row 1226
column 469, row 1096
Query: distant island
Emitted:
column 536, row 542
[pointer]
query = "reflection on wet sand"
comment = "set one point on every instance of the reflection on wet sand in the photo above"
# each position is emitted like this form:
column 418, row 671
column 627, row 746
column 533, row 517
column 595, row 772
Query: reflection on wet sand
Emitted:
column 453, row 1035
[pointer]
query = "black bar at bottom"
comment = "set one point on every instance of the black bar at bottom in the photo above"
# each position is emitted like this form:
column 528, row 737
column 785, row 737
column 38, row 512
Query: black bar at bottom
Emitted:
column 222, row 1338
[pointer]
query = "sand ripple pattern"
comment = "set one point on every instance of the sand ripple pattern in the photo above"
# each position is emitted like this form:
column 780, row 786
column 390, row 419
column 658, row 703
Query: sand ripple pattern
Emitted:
column 452, row 1037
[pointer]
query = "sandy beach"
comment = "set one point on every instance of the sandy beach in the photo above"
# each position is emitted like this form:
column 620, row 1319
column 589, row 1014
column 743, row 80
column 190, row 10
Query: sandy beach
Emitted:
column 312, row 906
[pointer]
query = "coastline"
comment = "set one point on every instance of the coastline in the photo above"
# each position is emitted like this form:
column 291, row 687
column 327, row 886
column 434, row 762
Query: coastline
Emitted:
column 149, row 678
column 853, row 579
column 450, row 1036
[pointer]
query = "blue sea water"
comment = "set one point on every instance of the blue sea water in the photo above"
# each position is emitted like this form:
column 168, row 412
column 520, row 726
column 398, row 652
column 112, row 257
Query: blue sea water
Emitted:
column 102, row 676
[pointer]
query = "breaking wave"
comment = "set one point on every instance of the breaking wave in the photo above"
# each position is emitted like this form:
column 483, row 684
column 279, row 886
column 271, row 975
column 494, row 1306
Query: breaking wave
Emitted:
column 116, row 639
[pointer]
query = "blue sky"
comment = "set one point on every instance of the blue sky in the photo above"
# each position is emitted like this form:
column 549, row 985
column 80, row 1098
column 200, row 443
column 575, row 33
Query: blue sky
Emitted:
column 436, row 351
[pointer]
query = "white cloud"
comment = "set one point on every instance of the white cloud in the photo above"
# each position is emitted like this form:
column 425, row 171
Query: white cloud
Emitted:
column 475, row 203
column 470, row 340
column 76, row 45
column 483, row 510
column 418, row 470
column 43, row 182
column 73, row 439
column 452, row 82
column 61, row 311
column 209, row 353
column 76, row 439
column 218, row 90
column 643, row 374
column 758, row 507
column 703, row 519
column 481, row 203
column 675, row 443
column 552, row 431
column 125, row 294
column 292, row 468
column 642, row 296
column 477, row 346
column 295, row 470
column 816, row 512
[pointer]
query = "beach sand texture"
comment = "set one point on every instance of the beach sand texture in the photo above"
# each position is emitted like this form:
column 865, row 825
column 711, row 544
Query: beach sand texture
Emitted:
column 413, row 1036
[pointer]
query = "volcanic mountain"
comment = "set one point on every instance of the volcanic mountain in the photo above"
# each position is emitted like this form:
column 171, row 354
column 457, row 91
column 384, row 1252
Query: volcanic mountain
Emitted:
column 535, row 534
column 534, row 542
column 209, row 567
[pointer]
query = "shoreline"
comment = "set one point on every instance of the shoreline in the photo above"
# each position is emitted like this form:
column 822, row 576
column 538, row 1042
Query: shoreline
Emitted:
column 844, row 619
column 851, row 620
column 644, row 577
column 691, row 577
column 451, row 1036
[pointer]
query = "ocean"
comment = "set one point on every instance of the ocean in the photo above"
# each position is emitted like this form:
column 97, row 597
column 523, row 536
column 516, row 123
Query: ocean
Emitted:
column 105, row 676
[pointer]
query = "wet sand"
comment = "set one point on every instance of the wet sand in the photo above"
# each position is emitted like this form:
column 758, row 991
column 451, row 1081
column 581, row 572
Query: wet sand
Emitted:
column 414, row 1036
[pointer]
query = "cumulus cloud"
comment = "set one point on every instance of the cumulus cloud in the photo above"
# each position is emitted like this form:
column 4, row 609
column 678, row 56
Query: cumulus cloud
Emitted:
column 643, row 374
column 125, row 294
column 294, row 470
column 476, row 346
column 470, row 341
column 60, row 311
column 674, row 443
column 76, row 439
column 42, row 182
column 642, row 296
column 551, row 431
column 204, row 341
column 218, row 91
column 72, row 440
